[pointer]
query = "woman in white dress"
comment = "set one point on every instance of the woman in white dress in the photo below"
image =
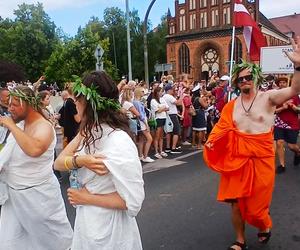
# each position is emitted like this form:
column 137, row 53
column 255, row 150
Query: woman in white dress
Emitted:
column 109, row 170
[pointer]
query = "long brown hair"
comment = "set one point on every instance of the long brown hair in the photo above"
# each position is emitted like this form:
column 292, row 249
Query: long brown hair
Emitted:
column 105, row 87
column 156, row 94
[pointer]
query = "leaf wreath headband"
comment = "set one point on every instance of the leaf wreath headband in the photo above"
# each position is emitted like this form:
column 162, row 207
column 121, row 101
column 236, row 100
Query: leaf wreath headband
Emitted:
column 252, row 67
column 98, row 102
column 33, row 101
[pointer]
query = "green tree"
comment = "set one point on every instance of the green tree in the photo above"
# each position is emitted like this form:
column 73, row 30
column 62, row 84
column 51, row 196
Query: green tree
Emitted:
column 157, row 45
column 29, row 39
column 76, row 57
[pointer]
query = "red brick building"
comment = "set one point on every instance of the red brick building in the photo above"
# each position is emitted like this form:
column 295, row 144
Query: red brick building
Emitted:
column 199, row 36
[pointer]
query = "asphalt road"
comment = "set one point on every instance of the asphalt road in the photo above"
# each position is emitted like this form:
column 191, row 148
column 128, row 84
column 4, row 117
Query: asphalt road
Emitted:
column 180, row 210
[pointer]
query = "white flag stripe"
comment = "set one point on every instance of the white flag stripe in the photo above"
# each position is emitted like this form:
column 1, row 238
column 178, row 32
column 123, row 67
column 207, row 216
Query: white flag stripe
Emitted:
column 240, row 8
column 247, row 35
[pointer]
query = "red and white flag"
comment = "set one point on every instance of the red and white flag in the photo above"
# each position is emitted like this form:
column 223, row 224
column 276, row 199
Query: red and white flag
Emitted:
column 253, row 36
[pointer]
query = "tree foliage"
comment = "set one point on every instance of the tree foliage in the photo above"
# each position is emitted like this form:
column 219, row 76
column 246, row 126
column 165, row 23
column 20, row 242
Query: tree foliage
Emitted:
column 29, row 39
column 32, row 41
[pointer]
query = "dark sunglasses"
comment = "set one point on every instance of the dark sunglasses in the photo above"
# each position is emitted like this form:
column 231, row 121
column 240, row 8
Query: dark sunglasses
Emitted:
column 247, row 78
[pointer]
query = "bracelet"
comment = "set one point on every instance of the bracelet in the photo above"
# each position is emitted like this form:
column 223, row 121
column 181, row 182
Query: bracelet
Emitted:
column 297, row 68
column 66, row 162
column 74, row 163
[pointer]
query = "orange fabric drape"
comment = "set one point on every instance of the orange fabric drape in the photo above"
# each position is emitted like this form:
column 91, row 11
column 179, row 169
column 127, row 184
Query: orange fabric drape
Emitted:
column 246, row 164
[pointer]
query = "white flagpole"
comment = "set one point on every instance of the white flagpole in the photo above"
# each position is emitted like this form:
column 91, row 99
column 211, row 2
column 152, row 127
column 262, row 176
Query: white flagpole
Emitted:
column 231, row 61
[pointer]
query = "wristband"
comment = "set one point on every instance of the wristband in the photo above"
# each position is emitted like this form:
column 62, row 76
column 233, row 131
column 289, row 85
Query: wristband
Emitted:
column 66, row 162
column 297, row 68
column 74, row 163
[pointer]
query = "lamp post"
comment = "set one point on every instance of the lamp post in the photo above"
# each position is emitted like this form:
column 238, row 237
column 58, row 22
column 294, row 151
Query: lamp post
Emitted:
column 146, row 43
column 128, row 42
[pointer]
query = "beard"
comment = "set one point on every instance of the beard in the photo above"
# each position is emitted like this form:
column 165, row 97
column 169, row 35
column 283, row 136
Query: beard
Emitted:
column 246, row 91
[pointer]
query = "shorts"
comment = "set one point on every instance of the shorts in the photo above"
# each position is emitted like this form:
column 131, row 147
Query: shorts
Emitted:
column 176, row 124
column 160, row 122
column 288, row 135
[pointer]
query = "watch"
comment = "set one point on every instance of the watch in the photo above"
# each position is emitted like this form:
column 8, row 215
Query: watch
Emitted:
column 297, row 68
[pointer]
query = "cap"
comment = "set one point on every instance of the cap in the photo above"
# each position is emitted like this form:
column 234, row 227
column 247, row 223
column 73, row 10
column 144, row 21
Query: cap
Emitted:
column 225, row 78
column 168, row 86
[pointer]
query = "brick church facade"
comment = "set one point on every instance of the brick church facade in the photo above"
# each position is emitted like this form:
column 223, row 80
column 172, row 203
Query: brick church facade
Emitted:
column 199, row 36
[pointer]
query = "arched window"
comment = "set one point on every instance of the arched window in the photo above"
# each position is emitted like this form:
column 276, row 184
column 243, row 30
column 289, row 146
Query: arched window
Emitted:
column 184, row 59
column 238, row 51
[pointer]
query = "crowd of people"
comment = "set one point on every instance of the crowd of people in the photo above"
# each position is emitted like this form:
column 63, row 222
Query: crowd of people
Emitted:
column 110, row 129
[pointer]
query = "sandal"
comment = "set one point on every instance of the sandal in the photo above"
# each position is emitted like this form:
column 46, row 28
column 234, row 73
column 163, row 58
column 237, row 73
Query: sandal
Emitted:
column 243, row 246
column 266, row 235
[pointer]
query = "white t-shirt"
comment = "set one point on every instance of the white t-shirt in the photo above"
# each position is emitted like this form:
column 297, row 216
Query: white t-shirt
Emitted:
column 171, row 100
column 127, row 105
column 155, row 106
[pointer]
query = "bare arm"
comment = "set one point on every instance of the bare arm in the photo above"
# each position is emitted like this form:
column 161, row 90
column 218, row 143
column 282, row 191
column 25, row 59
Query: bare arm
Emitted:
column 134, row 111
column 37, row 142
column 92, row 162
column 84, row 197
column 277, row 97
column 77, row 118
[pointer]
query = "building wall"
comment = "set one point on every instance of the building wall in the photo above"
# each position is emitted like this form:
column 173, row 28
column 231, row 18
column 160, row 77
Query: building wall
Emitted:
column 199, row 39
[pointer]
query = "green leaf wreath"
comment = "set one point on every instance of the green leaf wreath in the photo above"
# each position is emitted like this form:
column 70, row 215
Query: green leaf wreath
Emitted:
column 34, row 101
column 252, row 67
column 97, row 102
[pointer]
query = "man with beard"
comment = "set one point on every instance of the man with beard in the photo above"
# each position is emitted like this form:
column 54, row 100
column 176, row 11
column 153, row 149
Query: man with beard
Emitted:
column 34, row 215
column 240, row 148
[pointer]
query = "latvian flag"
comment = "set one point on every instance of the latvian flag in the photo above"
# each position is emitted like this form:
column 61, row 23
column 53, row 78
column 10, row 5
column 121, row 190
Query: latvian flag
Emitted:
column 253, row 37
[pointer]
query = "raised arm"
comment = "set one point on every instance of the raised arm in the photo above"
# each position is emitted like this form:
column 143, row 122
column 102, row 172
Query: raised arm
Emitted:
column 277, row 97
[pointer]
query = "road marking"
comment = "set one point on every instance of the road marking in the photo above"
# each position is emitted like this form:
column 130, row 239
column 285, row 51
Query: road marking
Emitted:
column 166, row 163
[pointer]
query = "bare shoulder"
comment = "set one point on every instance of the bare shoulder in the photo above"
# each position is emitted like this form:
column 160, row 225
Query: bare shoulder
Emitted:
column 42, row 129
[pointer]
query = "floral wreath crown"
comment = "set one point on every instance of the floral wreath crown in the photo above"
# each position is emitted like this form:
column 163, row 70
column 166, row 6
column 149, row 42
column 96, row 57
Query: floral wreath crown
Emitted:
column 97, row 102
column 252, row 67
column 34, row 101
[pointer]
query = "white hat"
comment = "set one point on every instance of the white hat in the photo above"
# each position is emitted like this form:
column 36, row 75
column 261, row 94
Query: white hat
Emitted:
column 197, row 87
column 225, row 78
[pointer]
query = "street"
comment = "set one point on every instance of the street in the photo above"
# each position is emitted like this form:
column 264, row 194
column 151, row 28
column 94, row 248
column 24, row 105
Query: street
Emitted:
column 180, row 210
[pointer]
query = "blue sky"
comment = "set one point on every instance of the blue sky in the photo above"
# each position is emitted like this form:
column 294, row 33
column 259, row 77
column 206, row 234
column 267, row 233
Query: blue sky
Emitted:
column 70, row 14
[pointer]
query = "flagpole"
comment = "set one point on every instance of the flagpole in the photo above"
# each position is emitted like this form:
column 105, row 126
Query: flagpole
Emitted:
column 231, row 61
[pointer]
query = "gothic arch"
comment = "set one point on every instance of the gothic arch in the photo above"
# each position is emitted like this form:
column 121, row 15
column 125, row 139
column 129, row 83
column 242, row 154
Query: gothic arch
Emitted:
column 184, row 59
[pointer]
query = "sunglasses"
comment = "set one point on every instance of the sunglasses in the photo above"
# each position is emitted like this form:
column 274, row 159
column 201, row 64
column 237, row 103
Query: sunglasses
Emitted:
column 247, row 78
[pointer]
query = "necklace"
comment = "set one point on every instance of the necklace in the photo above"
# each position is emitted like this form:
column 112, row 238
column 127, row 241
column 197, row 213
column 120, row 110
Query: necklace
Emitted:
column 247, row 111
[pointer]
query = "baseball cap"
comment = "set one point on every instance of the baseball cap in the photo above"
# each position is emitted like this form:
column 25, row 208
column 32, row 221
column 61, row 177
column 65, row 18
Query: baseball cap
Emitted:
column 168, row 86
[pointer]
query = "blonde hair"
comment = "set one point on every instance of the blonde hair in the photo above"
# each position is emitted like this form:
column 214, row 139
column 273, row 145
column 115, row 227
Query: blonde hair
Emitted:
column 138, row 93
column 127, row 95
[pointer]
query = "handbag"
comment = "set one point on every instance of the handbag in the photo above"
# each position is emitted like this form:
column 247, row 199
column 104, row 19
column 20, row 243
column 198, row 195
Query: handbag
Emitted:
column 151, row 120
column 168, row 127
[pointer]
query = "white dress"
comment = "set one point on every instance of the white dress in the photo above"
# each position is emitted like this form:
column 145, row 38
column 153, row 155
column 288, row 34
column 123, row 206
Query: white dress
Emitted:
column 34, row 215
column 102, row 228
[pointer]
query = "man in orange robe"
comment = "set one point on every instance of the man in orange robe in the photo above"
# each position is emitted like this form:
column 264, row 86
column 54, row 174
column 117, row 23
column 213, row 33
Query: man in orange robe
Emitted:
column 240, row 148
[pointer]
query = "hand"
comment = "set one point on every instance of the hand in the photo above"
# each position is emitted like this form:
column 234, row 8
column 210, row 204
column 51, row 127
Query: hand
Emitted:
column 78, row 196
column 295, row 55
column 42, row 78
column 6, row 121
column 94, row 163
column 285, row 105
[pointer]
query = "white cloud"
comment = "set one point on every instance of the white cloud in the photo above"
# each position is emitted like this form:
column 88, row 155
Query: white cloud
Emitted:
column 7, row 7
column 275, row 8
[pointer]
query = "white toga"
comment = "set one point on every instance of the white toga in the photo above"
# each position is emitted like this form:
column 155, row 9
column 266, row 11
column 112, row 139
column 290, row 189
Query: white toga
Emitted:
column 34, row 216
column 102, row 228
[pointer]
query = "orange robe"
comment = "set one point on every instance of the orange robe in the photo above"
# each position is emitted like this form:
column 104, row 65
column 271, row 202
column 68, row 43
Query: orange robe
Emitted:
column 247, row 166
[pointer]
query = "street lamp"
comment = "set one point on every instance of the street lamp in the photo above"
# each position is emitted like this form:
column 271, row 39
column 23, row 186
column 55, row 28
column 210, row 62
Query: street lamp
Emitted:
column 146, row 44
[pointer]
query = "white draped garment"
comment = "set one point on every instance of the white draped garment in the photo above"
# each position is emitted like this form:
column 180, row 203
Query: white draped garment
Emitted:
column 111, row 229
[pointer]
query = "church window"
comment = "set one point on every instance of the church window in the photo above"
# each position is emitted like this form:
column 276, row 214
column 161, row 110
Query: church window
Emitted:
column 203, row 19
column 184, row 59
column 193, row 21
column 203, row 3
column 192, row 4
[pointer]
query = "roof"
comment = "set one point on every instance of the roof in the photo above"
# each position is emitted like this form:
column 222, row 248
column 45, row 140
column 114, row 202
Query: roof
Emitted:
column 287, row 24
column 263, row 20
